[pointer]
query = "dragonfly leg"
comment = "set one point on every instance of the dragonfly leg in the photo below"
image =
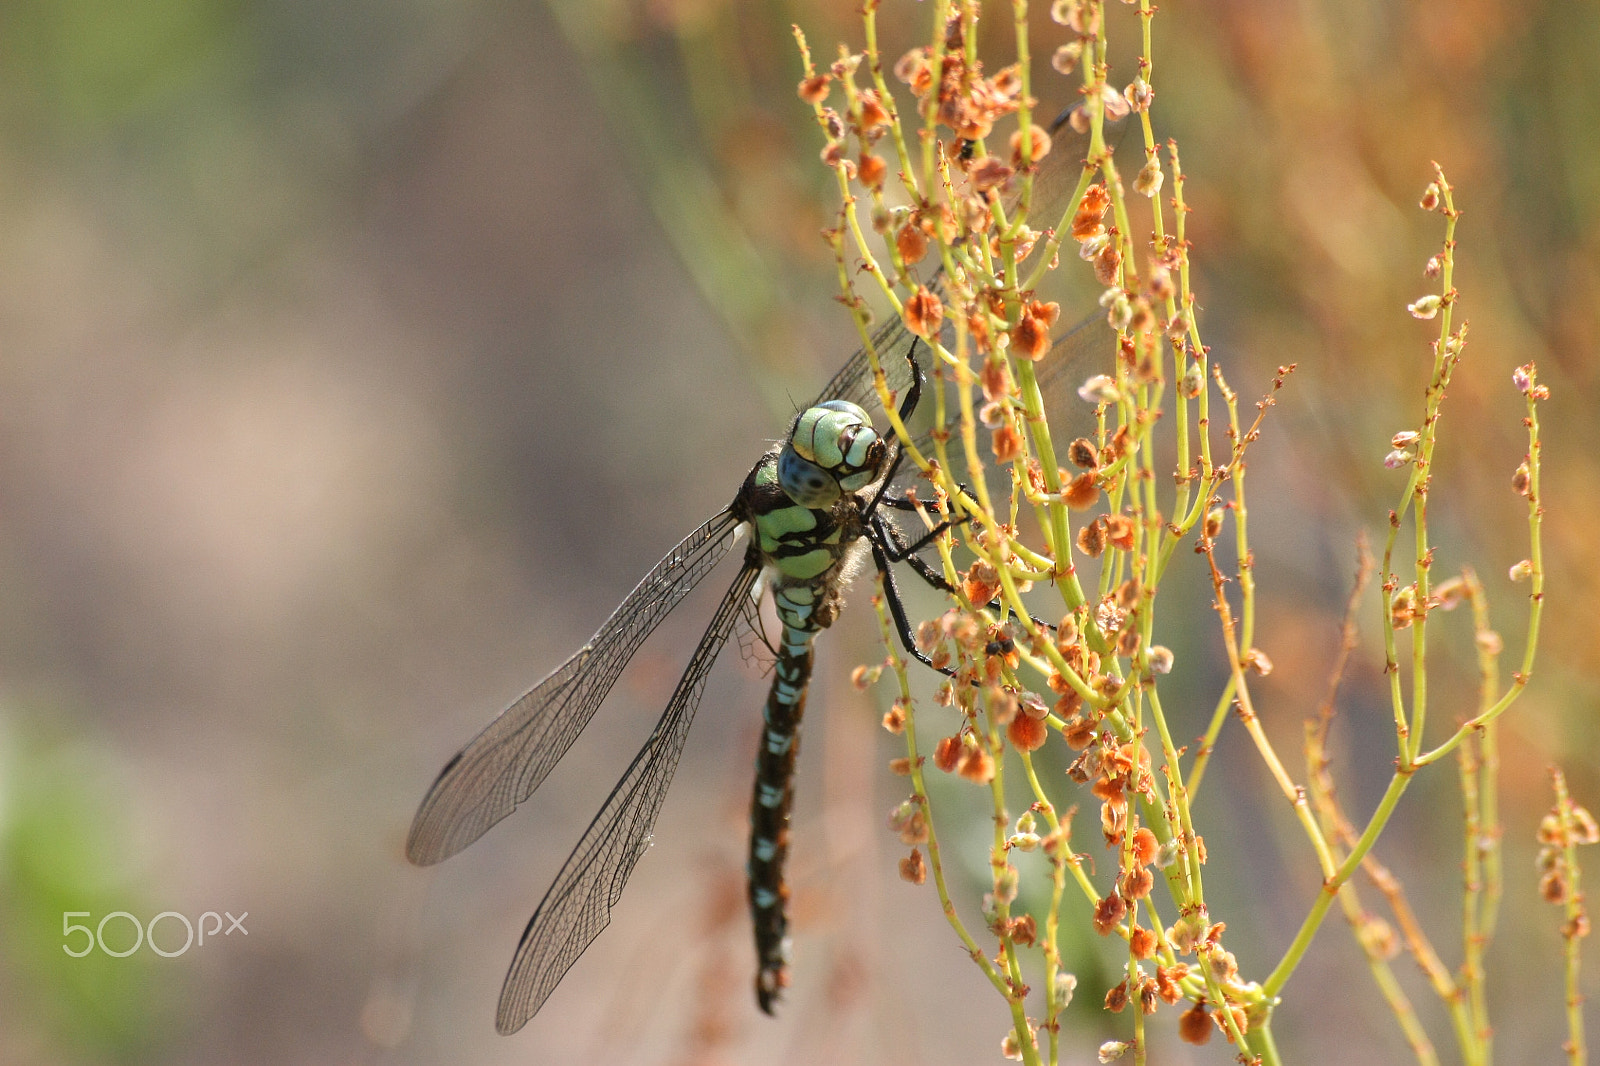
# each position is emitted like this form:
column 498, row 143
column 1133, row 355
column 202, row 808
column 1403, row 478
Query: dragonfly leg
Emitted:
column 891, row 596
column 908, row 405
column 898, row 550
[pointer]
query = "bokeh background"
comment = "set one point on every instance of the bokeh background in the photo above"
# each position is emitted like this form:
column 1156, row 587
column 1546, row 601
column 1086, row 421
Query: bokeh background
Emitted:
column 356, row 357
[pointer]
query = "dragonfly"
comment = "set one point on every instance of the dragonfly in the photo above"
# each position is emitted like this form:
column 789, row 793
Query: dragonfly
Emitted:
column 813, row 509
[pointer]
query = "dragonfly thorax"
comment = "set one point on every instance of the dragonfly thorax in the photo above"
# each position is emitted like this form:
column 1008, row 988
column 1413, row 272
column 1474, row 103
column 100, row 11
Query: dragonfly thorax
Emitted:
column 831, row 450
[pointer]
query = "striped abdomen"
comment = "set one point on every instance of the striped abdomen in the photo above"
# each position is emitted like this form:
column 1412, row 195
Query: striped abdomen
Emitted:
column 771, row 805
column 802, row 551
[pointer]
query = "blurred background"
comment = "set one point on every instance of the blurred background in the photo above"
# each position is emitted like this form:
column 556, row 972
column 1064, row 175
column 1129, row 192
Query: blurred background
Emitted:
column 356, row 358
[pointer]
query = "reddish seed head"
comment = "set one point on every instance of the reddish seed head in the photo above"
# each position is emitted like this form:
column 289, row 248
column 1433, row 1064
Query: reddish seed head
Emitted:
column 1142, row 943
column 1136, row 884
column 1080, row 734
column 1086, row 224
column 1117, row 998
column 1082, row 492
column 947, row 753
column 1119, row 531
column 1007, row 444
column 1092, row 539
column 1108, row 264
column 923, row 313
column 910, row 67
column 1030, row 338
column 814, row 90
column 1145, row 846
column 977, row 766
column 1026, row 734
column 995, row 380
column 1167, row 981
column 1070, row 703
column 873, row 113
column 911, row 243
column 913, row 868
column 1194, row 1025
column 981, row 582
column 1108, row 913
column 1039, row 145
column 873, row 170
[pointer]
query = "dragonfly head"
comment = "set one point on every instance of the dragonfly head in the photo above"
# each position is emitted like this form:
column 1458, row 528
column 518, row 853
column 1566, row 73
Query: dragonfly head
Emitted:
column 832, row 450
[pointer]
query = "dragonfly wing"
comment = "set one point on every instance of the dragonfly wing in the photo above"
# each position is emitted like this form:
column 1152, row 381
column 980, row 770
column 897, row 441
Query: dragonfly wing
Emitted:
column 578, row 906
column 502, row 765
column 1060, row 372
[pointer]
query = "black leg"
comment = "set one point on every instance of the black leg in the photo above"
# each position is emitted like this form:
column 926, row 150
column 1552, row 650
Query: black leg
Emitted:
column 914, row 394
column 897, row 549
column 897, row 609
column 894, row 547
column 908, row 405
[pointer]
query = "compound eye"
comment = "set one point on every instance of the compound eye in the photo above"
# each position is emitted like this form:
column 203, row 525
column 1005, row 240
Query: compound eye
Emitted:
column 804, row 482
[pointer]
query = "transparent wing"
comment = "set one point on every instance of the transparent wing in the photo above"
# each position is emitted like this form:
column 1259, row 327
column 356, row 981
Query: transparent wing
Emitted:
column 578, row 906
column 1080, row 351
column 1073, row 357
column 504, row 764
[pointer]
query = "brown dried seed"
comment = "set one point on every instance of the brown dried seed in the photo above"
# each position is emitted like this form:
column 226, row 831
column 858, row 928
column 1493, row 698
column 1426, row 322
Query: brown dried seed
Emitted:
column 1117, row 998
column 1026, row 734
column 872, row 170
column 1119, row 531
column 814, row 90
column 1108, row 913
column 923, row 313
column 1194, row 1025
column 1145, row 846
column 1082, row 492
column 977, row 766
column 1007, row 444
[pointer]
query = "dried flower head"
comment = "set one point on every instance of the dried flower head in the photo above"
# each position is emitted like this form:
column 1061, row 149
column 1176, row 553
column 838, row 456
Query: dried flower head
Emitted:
column 1194, row 1025
column 923, row 313
column 814, row 90
column 1082, row 492
column 913, row 868
column 1065, row 59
